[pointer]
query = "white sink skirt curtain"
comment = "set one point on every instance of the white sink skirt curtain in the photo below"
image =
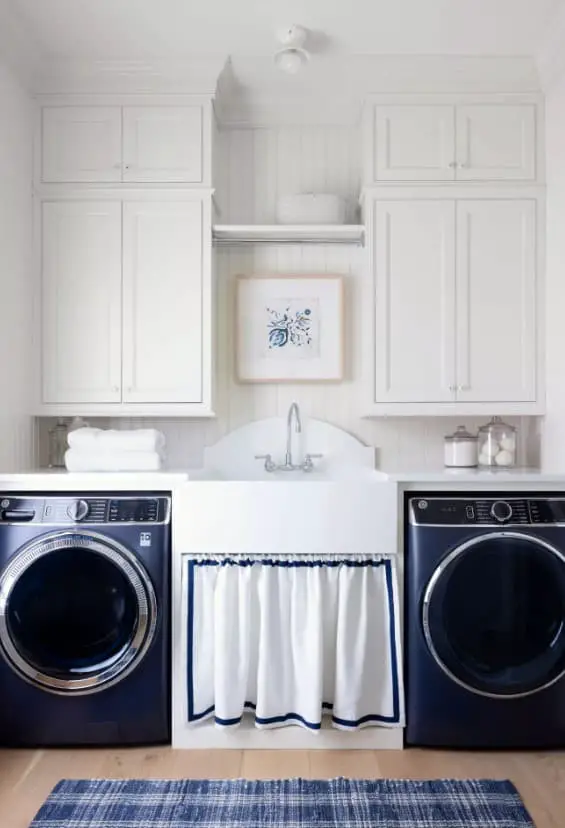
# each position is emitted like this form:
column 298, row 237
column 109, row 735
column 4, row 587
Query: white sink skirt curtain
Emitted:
column 293, row 638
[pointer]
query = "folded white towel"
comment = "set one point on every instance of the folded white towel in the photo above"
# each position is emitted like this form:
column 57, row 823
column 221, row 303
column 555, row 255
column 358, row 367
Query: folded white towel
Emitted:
column 78, row 460
column 95, row 439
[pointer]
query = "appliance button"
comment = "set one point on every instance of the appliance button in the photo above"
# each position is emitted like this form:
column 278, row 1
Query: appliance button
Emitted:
column 422, row 504
column 470, row 512
column 78, row 510
column 501, row 511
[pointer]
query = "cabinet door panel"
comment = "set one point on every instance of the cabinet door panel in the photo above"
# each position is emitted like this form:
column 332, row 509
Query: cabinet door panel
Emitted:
column 81, row 143
column 162, row 287
column 496, row 301
column 81, row 302
column 415, row 301
column 496, row 142
column 163, row 143
column 415, row 143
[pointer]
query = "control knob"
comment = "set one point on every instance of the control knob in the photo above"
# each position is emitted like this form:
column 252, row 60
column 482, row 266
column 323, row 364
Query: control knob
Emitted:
column 78, row 510
column 501, row 511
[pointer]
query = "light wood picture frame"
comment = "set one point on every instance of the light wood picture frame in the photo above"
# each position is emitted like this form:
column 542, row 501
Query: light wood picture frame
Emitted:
column 289, row 328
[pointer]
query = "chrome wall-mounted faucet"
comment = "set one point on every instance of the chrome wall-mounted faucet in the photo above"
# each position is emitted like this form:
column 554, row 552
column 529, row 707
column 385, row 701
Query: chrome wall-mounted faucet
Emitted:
column 293, row 417
column 293, row 412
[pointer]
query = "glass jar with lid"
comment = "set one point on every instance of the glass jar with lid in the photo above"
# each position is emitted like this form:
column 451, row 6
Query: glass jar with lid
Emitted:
column 460, row 449
column 497, row 444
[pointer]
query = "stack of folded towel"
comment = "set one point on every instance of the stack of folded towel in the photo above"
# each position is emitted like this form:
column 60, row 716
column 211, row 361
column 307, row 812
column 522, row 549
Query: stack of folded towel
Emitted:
column 97, row 449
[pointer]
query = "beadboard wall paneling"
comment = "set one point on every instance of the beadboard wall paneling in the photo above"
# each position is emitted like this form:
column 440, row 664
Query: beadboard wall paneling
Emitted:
column 256, row 165
column 17, row 429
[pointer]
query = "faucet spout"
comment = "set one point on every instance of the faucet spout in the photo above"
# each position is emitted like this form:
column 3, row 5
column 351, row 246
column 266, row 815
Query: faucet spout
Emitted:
column 293, row 414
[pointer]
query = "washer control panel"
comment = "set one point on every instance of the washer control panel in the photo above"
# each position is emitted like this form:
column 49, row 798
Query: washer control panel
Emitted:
column 61, row 510
column 503, row 511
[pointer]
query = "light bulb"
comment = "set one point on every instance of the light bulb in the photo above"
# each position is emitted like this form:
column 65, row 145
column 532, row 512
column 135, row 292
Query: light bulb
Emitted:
column 291, row 61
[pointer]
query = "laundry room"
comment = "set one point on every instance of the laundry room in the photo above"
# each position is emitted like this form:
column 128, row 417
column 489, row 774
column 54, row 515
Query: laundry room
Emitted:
column 282, row 413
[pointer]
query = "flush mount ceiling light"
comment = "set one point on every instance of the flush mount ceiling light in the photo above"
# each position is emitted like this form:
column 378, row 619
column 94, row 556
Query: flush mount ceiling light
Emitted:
column 292, row 55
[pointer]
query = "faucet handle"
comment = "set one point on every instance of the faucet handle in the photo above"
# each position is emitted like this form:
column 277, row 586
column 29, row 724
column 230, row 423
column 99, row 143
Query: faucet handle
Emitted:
column 269, row 465
column 308, row 465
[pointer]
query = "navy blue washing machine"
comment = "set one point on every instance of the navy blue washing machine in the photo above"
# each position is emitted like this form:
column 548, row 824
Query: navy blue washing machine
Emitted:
column 485, row 621
column 85, row 619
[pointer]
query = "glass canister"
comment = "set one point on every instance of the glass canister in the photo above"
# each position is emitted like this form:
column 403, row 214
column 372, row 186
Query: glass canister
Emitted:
column 497, row 444
column 460, row 449
column 58, row 444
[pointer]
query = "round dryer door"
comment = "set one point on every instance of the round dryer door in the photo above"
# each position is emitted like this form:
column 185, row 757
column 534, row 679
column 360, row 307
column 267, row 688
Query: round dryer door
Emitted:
column 494, row 615
column 77, row 612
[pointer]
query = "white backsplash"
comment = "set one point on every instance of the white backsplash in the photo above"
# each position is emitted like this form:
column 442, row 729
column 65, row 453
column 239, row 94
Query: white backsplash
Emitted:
column 256, row 166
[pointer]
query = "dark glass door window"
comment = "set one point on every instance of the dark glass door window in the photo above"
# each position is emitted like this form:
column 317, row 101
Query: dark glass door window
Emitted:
column 71, row 613
column 496, row 616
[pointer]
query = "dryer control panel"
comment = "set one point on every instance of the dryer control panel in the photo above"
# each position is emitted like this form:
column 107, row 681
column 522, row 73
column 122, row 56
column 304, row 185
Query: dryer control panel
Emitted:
column 60, row 510
column 492, row 511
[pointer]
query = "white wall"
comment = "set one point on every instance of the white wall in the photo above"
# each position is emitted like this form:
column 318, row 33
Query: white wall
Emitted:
column 258, row 165
column 553, row 440
column 17, row 441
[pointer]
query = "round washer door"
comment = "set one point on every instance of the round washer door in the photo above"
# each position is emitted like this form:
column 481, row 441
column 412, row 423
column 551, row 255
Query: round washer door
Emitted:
column 77, row 612
column 494, row 615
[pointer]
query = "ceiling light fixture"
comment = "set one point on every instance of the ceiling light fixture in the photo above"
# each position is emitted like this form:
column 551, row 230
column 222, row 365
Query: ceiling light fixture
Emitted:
column 292, row 55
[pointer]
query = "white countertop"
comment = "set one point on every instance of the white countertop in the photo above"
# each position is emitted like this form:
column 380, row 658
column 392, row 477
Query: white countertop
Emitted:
column 62, row 480
column 496, row 477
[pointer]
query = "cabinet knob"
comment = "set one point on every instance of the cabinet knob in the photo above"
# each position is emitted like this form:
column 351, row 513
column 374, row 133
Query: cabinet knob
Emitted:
column 452, row 164
column 462, row 166
column 115, row 388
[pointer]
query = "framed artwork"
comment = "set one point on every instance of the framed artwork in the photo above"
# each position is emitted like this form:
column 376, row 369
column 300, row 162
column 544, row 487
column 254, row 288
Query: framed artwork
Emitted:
column 289, row 328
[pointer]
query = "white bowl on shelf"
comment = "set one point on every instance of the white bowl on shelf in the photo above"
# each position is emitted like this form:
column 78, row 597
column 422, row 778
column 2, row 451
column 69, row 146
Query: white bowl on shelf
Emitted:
column 311, row 208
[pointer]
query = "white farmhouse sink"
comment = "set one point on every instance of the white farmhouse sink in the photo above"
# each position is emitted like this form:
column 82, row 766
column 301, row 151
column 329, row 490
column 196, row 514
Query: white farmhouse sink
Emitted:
column 259, row 475
column 231, row 507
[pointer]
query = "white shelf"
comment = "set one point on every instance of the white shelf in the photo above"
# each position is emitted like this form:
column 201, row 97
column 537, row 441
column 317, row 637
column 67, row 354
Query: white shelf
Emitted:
column 233, row 234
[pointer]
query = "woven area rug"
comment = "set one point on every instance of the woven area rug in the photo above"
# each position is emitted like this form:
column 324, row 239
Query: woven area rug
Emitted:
column 288, row 803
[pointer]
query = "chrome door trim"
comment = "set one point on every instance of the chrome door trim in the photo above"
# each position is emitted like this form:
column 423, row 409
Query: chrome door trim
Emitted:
column 129, row 566
column 428, row 594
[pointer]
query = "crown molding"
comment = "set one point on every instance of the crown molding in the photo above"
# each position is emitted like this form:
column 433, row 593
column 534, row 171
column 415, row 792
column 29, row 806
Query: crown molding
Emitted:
column 198, row 76
column 332, row 90
column 19, row 50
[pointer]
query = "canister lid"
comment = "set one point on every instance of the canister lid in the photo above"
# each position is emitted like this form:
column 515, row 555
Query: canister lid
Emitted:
column 461, row 435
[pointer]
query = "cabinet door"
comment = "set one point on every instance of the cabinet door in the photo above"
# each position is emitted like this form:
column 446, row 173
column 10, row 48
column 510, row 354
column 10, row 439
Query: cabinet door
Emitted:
column 163, row 291
column 496, row 142
column 415, row 301
column 415, row 143
column 163, row 143
column 496, row 301
column 81, row 143
column 81, row 301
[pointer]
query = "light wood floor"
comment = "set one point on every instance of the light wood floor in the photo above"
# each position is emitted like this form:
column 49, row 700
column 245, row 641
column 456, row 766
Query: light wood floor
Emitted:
column 27, row 776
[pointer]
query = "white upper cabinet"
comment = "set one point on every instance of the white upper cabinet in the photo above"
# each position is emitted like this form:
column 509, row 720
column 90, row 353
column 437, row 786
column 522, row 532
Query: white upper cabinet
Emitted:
column 496, row 142
column 455, row 300
column 81, row 143
column 81, row 295
column 459, row 142
column 163, row 143
column 414, row 143
column 143, row 144
column 496, row 300
column 414, row 250
column 163, row 307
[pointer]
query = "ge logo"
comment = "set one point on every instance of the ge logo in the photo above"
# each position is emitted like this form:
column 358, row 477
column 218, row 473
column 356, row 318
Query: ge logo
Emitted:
column 422, row 504
column 145, row 538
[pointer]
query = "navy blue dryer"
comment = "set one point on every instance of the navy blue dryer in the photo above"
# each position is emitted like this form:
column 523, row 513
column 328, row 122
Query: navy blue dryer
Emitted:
column 485, row 621
column 84, row 619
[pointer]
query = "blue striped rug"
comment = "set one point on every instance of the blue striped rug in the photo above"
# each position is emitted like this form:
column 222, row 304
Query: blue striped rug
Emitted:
column 293, row 803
